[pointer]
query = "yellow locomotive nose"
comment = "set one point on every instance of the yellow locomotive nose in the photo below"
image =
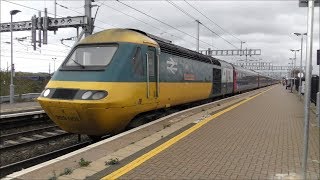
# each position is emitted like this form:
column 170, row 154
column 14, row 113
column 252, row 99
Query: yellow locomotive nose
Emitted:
column 84, row 117
column 83, row 111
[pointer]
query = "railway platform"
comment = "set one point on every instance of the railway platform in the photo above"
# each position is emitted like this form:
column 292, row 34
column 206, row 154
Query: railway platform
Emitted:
column 7, row 108
column 256, row 135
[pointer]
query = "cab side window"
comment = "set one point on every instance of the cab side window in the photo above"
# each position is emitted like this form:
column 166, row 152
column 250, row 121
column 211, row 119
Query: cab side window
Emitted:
column 138, row 62
column 151, row 56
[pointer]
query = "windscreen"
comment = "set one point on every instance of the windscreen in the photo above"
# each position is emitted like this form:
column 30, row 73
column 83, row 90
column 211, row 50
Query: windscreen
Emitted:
column 91, row 56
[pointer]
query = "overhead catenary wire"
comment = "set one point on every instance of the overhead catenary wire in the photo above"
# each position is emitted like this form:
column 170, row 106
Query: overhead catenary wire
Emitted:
column 60, row 45
column 78, row 7
column 157, row 28
column 41, row 48
column 4, row 51
column 219, row 35
column 71, row 9
column 212, row 21
column 96, row 19
column 102, row 4
column 48, row 12
column 32, row 53
column 40, row 53
column 179, row 8
column 176, row 6
column 162, row 22
column 113, row 25
column 18, row 57
column 28, row 7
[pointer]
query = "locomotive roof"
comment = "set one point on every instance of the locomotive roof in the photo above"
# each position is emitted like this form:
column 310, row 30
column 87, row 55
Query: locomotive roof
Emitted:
column 140, row 37
column 168, row 47
column 225, row 64
column 119, row 35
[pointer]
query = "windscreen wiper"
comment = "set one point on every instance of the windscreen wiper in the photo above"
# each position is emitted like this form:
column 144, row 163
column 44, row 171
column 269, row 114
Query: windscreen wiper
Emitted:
column 81, row 65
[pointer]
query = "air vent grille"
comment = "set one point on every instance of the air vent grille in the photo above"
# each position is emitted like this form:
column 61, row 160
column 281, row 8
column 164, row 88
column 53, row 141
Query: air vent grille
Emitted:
column 64, row 93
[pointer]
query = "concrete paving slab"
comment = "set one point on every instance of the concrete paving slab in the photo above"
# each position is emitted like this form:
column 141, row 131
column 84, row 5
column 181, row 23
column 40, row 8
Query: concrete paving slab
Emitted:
column 80, row 173
column 259, row 139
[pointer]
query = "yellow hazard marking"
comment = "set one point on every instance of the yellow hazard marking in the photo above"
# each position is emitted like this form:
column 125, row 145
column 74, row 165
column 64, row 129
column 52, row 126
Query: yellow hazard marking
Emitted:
column 125, row 169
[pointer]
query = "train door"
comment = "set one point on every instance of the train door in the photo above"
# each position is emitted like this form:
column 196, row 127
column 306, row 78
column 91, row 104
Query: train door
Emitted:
column 229, row 81
column 223, row 80
column 235, row 81
column 152, row 74
column 216, row 81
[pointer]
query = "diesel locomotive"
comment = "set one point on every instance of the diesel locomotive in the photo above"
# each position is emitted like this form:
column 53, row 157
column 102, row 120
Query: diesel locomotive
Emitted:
column 114, row 75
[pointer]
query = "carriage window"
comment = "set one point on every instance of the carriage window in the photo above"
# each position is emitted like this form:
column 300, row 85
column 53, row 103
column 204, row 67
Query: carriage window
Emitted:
column 151, row 55
column 137, row 62
column 91, row 56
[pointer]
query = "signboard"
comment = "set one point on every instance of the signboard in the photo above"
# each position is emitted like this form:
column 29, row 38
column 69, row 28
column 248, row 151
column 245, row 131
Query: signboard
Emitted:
column 304, row 3
column 232, row 52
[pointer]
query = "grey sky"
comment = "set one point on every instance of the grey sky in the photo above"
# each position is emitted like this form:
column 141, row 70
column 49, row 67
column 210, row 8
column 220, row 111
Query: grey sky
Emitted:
column 266, row 25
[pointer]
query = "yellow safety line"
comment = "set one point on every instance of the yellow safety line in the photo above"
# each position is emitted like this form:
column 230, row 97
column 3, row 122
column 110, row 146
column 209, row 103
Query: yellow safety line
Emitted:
column 116, row 174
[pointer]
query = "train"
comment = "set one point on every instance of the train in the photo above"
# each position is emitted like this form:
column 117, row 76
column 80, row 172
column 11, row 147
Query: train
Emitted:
column 112, row 76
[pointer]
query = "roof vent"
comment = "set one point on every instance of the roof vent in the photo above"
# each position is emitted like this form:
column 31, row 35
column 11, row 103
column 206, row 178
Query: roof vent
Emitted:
column 152, row 36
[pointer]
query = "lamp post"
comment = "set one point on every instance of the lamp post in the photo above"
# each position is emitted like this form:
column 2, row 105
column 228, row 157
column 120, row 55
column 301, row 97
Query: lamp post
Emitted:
column 242, row 42
column 291, row 73
column 12, row 12
column 295, row 58
column 54, row 64
column 295, row 55
column 301, row 52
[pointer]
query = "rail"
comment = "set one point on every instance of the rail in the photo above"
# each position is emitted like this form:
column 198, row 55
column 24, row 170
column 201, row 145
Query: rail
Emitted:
column 10, row 168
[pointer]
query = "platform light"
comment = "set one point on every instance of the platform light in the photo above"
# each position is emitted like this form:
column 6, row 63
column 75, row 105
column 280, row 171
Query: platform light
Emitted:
column 12, row 12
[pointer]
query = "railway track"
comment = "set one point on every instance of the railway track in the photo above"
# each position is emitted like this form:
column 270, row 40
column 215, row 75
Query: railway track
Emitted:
column 11, row 136
column 16, row 120
column 10, row 168
column 24, row 149
column 25, row 139
column 29, row 138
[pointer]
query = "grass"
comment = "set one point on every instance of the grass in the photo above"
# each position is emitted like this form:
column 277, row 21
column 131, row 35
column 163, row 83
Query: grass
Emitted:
column 166, row 125
column 112, row 161
column 66, row 171
column 84, row 163
column 54, row 177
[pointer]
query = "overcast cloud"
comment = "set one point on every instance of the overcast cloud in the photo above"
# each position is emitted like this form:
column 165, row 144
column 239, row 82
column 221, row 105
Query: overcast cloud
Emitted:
column 265, row 25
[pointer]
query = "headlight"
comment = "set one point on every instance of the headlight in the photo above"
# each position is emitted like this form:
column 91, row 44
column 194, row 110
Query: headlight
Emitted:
column 46, row 92
column 99, row 95
column 86, row 95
